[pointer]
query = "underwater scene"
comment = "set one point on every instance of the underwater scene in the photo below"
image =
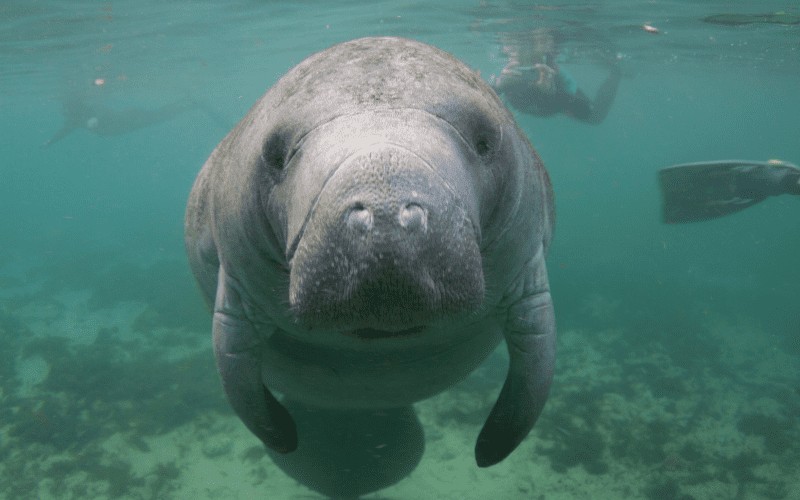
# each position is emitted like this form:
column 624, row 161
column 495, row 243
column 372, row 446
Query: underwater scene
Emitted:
column 675, row 290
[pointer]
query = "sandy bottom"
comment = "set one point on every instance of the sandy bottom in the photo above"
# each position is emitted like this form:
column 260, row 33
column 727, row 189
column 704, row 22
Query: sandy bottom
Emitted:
column 104, row 398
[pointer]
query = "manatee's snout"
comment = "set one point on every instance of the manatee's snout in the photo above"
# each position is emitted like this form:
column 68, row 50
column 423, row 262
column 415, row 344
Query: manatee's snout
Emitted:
column 388, row 245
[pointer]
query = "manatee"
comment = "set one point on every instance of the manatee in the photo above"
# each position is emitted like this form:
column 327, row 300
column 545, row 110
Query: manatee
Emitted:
column 366, row 235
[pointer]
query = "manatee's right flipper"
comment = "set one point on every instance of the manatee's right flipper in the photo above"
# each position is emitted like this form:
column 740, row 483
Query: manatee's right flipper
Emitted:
column 531, row 340
column 707, row 190
column 236, row 348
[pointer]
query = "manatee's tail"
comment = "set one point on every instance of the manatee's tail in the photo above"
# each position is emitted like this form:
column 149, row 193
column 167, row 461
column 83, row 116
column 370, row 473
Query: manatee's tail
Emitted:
column 349, row 453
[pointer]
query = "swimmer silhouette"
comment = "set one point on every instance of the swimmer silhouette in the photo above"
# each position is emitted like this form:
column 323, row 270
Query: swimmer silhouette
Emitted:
column 533, row 82
column 105, row 121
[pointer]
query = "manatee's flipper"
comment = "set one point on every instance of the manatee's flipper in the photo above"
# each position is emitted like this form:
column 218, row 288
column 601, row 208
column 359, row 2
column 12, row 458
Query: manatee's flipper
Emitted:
column 531, row 340
column 236, row 348
column 707, row 190
column 349, row 453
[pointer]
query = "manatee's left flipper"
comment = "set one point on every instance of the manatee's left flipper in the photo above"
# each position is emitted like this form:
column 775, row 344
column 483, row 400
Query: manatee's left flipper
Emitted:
column 236, row 348
column 531, row 339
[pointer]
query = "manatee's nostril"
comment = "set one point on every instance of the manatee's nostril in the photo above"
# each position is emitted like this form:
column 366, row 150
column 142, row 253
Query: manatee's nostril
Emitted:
column 359, row 218
column 413, row 217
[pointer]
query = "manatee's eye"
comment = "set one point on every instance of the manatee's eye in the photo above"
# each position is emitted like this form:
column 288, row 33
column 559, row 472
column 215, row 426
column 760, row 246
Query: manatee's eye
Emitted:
column 484, row 134
column 479, row 126
column 482, row 147
column 274, row 153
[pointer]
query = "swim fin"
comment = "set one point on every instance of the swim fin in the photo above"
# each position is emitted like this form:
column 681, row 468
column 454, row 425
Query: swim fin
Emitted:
column 707, row 190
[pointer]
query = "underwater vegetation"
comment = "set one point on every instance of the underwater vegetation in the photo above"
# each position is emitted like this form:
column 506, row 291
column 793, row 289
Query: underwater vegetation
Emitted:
column 666, row 405
column 116, row 387
column 673, row 401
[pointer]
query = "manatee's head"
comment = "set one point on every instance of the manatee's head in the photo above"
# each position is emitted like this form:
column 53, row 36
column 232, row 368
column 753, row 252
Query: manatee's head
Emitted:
column 383, row 163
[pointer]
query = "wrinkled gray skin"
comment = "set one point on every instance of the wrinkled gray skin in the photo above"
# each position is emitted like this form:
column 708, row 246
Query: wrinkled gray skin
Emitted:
column 367, row 234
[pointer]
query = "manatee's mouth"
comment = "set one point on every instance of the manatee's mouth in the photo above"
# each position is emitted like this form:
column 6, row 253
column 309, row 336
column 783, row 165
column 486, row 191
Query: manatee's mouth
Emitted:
column 372, row 333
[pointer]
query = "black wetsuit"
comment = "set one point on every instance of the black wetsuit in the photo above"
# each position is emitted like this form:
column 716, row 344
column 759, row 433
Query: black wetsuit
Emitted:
column 522, row 93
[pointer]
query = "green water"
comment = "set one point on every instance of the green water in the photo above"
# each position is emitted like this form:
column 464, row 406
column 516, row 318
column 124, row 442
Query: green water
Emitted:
column 679, row 363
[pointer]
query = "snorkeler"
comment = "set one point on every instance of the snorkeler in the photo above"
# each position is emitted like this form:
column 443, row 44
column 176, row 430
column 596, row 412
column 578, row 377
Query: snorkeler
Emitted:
column 533, row 83
column 707, row 190
column 105, row 121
